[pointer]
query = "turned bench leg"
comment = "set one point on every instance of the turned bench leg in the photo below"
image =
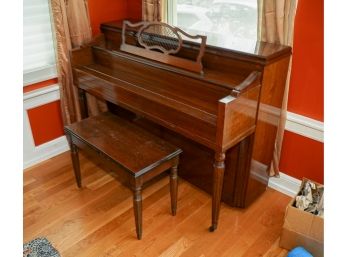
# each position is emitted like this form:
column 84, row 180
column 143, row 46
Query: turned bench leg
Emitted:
column 76, row 164
column 174, row 188
column 219, row 169
column 137, row 206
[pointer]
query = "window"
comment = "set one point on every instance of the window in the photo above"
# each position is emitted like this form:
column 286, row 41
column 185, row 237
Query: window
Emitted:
column 227, row 23
column 38, row 50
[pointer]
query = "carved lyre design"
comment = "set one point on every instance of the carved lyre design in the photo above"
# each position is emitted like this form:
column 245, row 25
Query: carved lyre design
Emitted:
column 160, row 41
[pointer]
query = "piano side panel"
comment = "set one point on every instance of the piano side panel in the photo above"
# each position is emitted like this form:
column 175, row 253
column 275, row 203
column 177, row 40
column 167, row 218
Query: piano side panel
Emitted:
column 273, row 85
column 274, row 78
column 81, row 56
column 237, row 118
column 241, row 188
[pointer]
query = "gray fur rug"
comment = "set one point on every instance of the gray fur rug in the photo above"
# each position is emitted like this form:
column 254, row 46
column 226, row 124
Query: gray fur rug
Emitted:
column 39, row 247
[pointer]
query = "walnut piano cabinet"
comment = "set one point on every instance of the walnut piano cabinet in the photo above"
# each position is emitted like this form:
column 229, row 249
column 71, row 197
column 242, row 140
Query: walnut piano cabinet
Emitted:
column 224, row 120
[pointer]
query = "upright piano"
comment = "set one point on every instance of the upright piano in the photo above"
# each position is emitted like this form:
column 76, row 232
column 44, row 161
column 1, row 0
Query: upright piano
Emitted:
column 224, row 119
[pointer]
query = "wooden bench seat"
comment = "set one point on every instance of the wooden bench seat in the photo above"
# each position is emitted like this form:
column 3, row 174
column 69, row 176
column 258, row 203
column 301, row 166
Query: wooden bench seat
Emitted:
column 134, row 154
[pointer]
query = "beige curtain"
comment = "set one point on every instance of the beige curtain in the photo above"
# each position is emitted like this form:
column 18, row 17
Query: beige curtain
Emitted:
column 152, row 10
column 276, row 25
column 72, row 29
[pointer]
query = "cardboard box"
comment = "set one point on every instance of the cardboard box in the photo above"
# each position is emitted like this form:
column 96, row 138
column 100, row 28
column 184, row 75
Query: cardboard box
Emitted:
column 302, row 229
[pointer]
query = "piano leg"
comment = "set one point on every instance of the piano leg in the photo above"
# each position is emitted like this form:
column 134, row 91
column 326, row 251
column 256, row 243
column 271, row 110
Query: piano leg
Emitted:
column 74, row 153
column 83, row 103
column 219, row 169
column 137, row 207
column 174, row 188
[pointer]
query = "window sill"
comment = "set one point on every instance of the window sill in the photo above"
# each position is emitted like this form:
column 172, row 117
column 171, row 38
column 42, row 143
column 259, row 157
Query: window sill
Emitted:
column 39, row 75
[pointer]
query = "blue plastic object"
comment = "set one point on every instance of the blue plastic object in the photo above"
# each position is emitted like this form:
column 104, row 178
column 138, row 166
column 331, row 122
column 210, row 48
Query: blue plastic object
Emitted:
column 299, row 252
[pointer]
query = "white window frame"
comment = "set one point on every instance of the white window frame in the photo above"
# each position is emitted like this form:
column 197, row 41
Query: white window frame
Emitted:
column 172, row 12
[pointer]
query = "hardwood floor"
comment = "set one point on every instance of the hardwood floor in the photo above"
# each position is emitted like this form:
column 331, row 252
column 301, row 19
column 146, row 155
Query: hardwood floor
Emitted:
column 97, row 220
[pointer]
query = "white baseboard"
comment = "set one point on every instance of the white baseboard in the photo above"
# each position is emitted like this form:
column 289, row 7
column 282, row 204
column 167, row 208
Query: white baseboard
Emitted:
column 47, row 150
column 285, row 184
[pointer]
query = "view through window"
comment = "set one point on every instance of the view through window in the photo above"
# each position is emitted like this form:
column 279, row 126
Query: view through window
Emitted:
column 226, row 23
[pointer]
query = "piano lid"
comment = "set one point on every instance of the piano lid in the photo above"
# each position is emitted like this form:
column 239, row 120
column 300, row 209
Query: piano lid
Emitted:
column 254, row 49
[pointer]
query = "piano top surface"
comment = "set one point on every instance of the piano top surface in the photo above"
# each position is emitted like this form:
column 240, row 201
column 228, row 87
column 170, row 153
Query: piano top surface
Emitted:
column 252, row 48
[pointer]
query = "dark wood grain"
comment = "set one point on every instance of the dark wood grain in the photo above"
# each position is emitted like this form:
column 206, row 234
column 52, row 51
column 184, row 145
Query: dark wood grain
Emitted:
column 219, row 169
column 135, row 149
column 209, row 114
column 74, row 151
column 137, row 207
column 83, row 103
column 134, row 154
column 174, row 188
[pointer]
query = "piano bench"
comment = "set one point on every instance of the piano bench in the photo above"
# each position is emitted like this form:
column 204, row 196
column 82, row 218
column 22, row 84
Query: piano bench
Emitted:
column 135, row 155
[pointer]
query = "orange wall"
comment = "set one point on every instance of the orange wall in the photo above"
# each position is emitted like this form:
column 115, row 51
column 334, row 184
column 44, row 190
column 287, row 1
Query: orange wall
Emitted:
column 306, row 95
column 134, row 9
column 106, row 10
column 303, row 157
column 46, row 122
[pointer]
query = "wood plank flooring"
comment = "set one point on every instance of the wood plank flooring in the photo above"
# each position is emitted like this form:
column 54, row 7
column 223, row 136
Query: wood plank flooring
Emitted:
column 98, row 220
